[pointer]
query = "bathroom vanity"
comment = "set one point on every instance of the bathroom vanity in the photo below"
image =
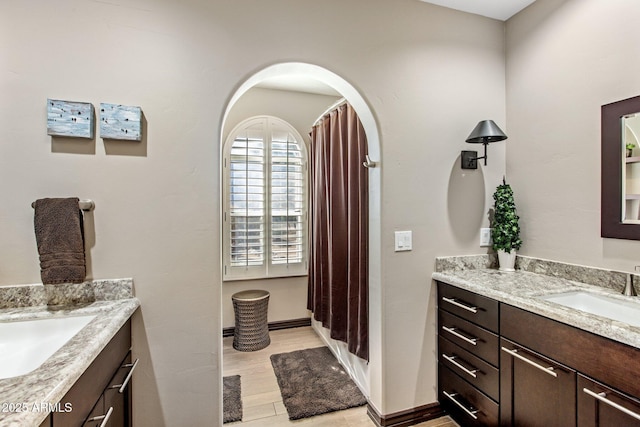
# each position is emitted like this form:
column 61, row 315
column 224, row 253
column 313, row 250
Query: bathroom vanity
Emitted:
column 507, row 356
column 86, row 381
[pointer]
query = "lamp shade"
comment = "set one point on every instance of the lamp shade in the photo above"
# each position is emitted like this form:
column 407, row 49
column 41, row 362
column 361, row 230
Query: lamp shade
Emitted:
column 485, row 132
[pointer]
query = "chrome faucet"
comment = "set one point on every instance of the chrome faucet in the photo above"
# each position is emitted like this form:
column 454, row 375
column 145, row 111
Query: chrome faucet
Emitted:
column 629, row 290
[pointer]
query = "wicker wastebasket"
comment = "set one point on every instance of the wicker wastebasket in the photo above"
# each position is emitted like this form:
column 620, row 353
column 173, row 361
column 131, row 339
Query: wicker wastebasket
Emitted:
column 251, row 331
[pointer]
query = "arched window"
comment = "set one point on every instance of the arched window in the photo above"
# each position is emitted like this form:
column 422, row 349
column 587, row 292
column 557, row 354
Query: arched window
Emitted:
column 265, row 200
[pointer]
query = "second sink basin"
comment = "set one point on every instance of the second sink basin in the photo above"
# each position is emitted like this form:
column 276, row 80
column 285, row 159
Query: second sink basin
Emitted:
column 611, row 308
column 25, row 345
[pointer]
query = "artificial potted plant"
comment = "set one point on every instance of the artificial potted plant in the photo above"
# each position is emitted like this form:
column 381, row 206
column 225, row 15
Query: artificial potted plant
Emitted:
column 506, row 230
column 630, row 146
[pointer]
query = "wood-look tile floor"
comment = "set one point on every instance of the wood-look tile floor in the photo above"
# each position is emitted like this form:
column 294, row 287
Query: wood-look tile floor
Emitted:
column 261, row 400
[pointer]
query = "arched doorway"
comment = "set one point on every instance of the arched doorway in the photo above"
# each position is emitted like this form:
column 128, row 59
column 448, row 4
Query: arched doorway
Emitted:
column 369, row 376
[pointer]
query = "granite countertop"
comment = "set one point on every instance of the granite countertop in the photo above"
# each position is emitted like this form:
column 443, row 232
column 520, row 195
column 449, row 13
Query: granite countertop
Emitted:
column 53, row 379
column 521, row 289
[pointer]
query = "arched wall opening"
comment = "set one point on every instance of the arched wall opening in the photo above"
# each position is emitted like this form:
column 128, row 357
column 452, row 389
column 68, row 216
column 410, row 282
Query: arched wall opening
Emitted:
column 368, row 376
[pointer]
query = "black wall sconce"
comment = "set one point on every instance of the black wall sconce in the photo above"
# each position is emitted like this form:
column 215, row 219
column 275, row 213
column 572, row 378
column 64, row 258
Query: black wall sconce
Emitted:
column 484, row 133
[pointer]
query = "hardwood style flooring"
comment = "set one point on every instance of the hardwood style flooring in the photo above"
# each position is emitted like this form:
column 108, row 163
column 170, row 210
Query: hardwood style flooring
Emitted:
column 261, row 400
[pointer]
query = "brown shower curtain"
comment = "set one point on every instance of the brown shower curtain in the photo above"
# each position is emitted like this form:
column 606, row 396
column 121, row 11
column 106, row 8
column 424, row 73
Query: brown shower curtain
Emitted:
column 338, row 261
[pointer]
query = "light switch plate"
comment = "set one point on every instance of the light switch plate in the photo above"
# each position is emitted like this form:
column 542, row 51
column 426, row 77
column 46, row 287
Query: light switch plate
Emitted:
column 485, row 237
column 403, row 241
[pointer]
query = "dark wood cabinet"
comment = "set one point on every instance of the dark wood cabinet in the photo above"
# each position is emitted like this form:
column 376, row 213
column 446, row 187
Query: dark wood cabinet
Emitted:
column 102, row 395
column 118, row 395
column 502, row 365
column 534, row 390
column 113, row 409
column 468, row 356
column 608, row 361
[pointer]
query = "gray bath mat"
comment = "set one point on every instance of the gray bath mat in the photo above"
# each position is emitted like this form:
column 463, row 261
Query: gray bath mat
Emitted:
column 231, row 400
column 312, row 382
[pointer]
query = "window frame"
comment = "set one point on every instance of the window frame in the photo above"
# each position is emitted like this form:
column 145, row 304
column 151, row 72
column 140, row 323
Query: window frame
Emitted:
column 268, row 269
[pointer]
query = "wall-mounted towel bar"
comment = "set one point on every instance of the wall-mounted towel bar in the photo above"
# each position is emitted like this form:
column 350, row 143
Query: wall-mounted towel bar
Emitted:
column 85, row 205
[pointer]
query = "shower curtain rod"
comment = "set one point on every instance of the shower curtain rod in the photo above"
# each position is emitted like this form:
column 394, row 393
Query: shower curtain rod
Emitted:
column 332, row 107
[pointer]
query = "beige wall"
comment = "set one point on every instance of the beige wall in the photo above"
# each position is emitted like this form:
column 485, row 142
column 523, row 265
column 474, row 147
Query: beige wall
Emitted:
column 428, row 73
column 564, row 60
column 288, row 296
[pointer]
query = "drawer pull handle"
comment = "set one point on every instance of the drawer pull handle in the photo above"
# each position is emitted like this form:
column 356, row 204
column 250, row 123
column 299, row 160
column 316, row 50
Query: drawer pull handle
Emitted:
column 125, row 383
column 452, row 331
column 472, row 413
column 452, row 360
column 104, row 418
column 515, row 354
column 457, row 304
column 602, row 398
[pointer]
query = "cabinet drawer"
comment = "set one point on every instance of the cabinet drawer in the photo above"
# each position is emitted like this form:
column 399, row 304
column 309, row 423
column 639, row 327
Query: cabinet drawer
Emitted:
column 471, row 368
column 470, row 337
column 480, row 310
column 609, row 409
column 468, row 406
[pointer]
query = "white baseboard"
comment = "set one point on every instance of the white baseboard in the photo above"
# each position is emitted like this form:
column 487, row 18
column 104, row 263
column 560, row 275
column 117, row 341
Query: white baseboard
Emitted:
column 358, row 369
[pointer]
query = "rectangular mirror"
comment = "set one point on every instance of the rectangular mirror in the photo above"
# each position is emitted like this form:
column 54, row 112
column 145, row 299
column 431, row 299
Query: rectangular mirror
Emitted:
column 631, row 169
column 620, row 197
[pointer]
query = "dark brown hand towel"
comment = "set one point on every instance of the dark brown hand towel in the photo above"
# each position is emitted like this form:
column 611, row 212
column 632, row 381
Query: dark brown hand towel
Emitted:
column 60, row 239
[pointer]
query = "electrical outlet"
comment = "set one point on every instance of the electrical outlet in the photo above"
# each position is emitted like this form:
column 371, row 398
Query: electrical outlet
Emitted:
column 485, row 237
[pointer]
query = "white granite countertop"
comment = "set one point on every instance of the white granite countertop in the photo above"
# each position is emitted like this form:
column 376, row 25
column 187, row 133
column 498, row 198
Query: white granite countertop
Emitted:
column 51, row 381
column 520, row 289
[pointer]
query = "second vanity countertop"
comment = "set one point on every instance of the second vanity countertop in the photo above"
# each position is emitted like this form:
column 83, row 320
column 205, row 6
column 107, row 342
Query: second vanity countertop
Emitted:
column 521, row 289
column 48, row 384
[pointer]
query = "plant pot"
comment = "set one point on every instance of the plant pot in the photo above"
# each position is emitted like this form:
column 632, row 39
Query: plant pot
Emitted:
column 506, row 260
column 629, row 152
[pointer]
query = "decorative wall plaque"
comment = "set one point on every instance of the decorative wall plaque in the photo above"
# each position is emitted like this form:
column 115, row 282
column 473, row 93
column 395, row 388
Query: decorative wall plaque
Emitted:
column 120, row 122
column 71, row 119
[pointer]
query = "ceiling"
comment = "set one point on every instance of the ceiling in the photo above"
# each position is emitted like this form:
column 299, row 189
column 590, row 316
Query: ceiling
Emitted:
column 496, row 9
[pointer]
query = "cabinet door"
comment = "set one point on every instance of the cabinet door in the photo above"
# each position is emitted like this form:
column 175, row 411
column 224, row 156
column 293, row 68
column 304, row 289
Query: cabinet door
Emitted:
column 535, row 391
column 600, row 406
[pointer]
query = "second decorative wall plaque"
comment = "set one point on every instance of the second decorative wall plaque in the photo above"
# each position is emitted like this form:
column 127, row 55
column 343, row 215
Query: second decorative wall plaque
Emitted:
column 120, row 122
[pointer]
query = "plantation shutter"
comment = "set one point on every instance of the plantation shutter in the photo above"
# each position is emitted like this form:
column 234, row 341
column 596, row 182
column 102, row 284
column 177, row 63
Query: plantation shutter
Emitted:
column 265, row 222
column 247, row 199
column 287, row 198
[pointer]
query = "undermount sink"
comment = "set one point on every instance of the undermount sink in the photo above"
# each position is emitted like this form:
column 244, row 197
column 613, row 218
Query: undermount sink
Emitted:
column 600, row 305
column 27, row 344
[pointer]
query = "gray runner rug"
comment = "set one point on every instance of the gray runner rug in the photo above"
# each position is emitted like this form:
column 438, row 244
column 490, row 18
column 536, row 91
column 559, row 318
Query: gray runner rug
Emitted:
column 231, row 399
column 312, row 382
